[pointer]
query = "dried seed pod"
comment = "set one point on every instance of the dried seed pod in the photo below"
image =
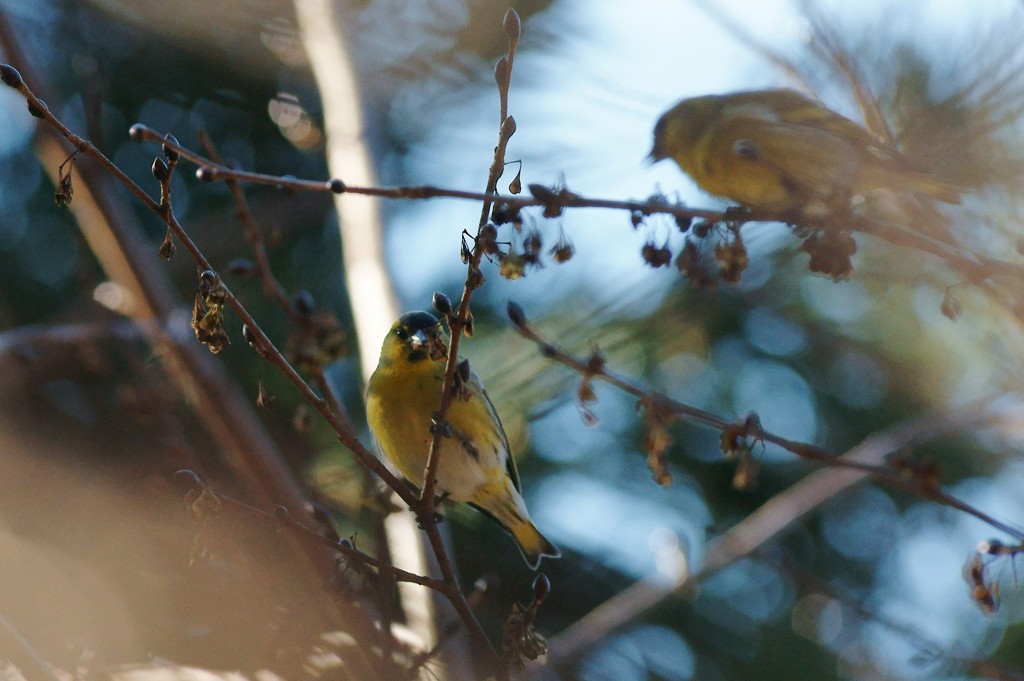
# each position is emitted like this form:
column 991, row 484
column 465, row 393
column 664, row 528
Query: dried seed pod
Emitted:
column 65, row 190
column 503, row 213
column 563, row 250
column 487, row 239
column 516, row 185
column 684, row 222
column 656, row 256
column 264, row 400
column 167, row 247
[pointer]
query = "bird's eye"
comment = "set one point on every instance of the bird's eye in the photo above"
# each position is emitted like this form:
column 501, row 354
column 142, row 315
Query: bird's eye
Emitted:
column 402, row 333
column 746, row 149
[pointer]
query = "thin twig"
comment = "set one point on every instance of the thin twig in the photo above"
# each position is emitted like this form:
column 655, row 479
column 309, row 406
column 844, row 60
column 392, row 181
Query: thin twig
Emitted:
column 975, row 267
column 926, row 488
column 457, row 325
column 271, row 286
column 254, row 235
column 266, row 349
column 108, row 225
column 766, row 523
column 269, row 351
column 342, row 546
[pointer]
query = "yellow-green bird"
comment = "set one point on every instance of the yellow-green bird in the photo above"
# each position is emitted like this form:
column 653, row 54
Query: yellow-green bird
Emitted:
column 781, row 152
column 476, row 466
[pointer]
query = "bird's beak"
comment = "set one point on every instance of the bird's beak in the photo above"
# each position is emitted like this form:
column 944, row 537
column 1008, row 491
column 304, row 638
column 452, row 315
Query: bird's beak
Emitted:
column 419, row 340
column 430, row 342
column 653, row 157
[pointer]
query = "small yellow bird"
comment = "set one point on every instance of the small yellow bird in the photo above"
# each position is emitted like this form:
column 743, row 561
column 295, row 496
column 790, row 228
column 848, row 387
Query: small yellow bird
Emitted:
column 780, row 152
column 476, row 466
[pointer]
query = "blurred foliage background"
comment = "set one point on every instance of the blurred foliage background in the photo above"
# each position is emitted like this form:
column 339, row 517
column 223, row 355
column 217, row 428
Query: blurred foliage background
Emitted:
column 97, row 568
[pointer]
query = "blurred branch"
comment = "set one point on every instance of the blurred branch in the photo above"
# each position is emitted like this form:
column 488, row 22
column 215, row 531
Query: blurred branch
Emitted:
column 210, row 171
column 263, row 344
column 459, row 320
column 928, row 647
column 22, row 654
column 27, row 343
column 754, row 531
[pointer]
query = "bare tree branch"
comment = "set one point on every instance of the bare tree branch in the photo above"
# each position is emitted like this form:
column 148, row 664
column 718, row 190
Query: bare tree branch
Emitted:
column 772, row 519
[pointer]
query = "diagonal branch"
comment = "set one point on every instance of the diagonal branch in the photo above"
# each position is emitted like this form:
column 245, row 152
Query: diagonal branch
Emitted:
column 974, row 267
column 923, row 486
column 459, row 322
column 769, row 521
column 114, row 237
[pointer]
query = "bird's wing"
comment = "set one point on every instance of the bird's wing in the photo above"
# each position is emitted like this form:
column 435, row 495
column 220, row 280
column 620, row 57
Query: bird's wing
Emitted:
column 793, row 107
column 809, row 159
column 883, row 165
column 476, row 386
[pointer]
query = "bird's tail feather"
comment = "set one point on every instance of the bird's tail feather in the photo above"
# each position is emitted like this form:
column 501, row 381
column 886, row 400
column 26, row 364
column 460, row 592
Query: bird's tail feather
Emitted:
column 511, row 514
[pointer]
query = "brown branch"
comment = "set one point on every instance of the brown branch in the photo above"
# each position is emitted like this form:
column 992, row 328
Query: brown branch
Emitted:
column 109, row 227
column 769, row 521
column 921, row 486
column 28, row 342
column 975, row 267
column 262, row 344
column 271, row 286
column 457, row 324
column 125, row 258
column 210, row 171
